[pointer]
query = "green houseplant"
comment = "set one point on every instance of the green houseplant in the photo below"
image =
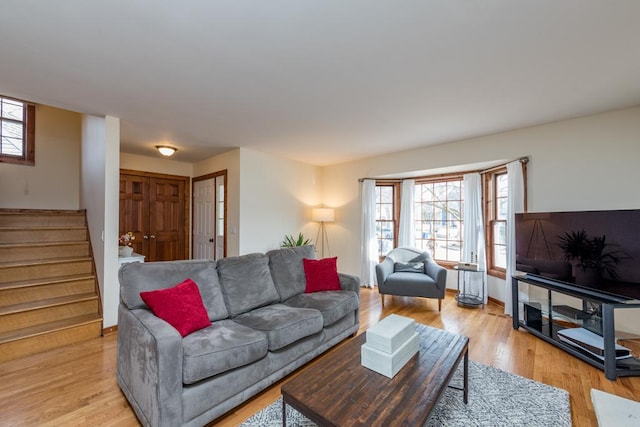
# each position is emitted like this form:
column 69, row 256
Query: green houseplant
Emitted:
column 592, row 256
column 290, row 241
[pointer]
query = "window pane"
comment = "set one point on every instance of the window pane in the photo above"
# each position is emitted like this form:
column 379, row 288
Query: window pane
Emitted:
column 439, row 219
column 386, row 194
column 497, row 219
column 11, row 129
column 501, row 208
column 454, row 212
column 501, row 185
column 453, row 190
column 12, row 110
column 386, row 212
column 385, row 218
column 11, row 146
column 500, row 256
column 499, row 233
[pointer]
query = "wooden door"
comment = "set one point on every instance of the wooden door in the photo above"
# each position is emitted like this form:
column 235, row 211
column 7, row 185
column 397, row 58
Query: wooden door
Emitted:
column 167, row 219
column 155, row 208
column 134, row 210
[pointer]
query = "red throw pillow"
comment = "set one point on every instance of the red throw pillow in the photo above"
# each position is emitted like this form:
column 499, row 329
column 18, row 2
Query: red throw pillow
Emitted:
column 321, row 274
column 180, row 306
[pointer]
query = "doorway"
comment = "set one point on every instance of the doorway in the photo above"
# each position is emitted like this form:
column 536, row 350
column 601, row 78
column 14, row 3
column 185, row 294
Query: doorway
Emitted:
column 154, row 207
column 210, row 216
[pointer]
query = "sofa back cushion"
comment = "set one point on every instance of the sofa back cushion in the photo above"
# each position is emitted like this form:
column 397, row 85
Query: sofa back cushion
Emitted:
column 406, row 255
column 287, row 269
column 143, row 277
column 246, row 283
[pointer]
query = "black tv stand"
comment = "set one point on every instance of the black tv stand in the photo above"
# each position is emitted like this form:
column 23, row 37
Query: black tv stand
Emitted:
column 544, row 320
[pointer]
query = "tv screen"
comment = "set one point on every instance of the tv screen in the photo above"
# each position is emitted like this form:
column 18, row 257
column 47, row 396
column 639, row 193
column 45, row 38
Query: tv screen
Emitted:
column 593, row 249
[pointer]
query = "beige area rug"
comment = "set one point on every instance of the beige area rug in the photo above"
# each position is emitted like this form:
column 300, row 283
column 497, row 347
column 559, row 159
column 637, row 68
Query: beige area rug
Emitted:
column 496, row 398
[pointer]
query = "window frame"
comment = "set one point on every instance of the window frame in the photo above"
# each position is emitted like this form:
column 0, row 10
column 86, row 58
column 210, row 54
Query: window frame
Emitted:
column 457, row 176
column 28, row 136
column 490, row 214
column 490, row 209
column 396, row 211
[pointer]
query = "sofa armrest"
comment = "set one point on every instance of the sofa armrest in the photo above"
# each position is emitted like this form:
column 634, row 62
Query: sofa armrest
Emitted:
column 437, row 273
column 383, row 270
column 149, row 366
column 349, row 282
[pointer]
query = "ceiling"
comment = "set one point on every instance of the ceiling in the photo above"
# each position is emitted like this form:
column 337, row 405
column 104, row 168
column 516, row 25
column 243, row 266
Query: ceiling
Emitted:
column 320, row 81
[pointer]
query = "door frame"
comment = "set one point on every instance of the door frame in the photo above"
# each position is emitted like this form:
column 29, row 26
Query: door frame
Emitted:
column 187, row 200
column 213, row 175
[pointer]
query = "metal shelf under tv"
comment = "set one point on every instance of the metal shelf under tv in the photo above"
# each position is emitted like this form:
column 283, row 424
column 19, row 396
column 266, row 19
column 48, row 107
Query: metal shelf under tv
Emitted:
column 550, row 322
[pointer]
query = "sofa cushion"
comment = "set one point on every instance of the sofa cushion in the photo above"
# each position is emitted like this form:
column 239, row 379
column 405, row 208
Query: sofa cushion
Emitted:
column 321, row 275
column 246, row 283
column 409, row 267
column 333, row 305
column 405, row 283
column 180, row 306
column 283, row 325
column 223, row 346
column 287, row 270
column 139, row 277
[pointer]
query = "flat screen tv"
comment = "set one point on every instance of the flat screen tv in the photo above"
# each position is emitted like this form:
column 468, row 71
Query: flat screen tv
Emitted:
column 594, row 249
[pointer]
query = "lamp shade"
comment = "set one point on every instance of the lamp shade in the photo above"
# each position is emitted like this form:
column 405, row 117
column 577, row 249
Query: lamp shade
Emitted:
column 165, row 150
column 323, row 214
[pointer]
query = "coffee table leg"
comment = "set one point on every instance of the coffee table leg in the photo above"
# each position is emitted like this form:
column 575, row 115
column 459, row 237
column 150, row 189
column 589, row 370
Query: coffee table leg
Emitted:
column 466, row 377
column 284, row 414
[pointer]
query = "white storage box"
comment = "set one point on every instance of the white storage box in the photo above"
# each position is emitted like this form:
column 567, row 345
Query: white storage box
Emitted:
column 389, row 364
column 390, row 333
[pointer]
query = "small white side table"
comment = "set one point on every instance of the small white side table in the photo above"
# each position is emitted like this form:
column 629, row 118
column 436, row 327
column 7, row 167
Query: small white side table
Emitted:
column 133, row 258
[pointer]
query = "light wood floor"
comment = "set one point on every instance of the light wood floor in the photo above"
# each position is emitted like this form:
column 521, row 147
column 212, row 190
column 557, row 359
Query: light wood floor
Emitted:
column 76, row 385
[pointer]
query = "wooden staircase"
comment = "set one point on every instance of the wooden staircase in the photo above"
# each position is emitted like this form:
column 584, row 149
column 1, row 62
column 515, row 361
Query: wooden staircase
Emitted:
column 48, row 289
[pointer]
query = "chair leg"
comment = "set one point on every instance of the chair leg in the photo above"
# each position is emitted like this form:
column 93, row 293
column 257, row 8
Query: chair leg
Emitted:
column 382, row 298
column 439, row 304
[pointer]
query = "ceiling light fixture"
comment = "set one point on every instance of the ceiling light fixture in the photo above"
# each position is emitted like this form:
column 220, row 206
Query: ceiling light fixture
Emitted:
column 166, row 151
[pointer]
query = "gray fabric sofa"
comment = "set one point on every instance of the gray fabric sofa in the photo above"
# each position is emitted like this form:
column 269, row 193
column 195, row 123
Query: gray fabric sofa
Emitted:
column 263, row 327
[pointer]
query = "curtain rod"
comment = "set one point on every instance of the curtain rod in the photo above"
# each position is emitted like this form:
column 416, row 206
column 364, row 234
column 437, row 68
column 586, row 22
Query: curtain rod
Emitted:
column 523, row 160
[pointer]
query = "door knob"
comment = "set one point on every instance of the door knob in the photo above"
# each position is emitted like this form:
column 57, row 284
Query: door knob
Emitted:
column 152, row 236
column 145, row 237
column 210, row 240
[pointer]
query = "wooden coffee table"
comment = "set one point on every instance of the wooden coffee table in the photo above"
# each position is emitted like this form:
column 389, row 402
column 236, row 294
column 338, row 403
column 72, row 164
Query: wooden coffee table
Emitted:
column 338, row 391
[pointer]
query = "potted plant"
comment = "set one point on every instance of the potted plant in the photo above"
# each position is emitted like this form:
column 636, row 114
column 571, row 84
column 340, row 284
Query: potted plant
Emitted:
column 290, row 241
column 592, row 257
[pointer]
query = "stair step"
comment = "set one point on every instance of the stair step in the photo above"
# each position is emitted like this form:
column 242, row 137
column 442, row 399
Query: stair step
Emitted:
column 38, row 217
column 33, row 290
column 37, row 251
column 36, row 339
column 16, row 271
column 42, row 234
column 24, row 315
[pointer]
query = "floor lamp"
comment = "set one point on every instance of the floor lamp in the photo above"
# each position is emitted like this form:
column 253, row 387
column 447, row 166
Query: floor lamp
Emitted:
column 323, row 215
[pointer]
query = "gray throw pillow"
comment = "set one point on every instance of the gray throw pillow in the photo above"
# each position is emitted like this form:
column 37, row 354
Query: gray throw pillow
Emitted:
column 408, row 267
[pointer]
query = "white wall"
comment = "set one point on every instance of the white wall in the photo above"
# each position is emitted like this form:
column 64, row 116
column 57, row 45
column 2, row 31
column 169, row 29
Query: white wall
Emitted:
column 584, row 163
column 99, row 196
column 155, row 165
column 53, row 183
column 276, row 197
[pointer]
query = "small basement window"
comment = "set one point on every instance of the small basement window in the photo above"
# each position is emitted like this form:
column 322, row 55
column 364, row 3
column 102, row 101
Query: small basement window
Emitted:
column 17, row 131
